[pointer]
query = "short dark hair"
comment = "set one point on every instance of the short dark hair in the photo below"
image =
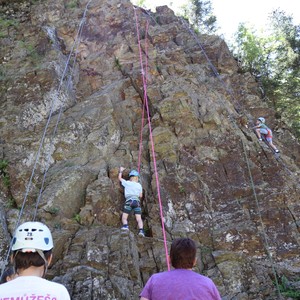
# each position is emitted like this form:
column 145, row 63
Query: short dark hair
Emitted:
column 23, row 261
column 183, row 253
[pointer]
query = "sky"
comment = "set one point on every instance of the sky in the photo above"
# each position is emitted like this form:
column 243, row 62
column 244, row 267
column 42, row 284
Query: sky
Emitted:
column 230, row 13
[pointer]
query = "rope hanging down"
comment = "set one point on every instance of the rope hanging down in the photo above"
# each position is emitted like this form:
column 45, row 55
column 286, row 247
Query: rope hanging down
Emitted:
column 144, row 80
column 267, row 247
column 74, row 46
column 229, row 91
column 245, row 153
column 145, row 104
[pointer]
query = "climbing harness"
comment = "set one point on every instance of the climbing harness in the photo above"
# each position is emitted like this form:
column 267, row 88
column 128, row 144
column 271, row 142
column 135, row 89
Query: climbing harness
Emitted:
column 133, row 203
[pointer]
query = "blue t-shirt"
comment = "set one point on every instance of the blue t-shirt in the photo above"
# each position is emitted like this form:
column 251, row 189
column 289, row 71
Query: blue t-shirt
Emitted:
column 132, row 189
column 180, row 284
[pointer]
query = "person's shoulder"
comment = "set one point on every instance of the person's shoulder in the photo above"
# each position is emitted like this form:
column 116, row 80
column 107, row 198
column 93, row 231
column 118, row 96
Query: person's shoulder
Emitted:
column 60, row 288
column 203, row 278
column 25, row 280
column 35, row 283
column 56, row 285
column 160, row 275
column 123, row 181
column 11, row 283
column 3, row 286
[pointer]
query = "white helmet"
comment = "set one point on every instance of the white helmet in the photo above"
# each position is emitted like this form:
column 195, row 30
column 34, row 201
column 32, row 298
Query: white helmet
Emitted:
column 32, row 236
column 261, row 119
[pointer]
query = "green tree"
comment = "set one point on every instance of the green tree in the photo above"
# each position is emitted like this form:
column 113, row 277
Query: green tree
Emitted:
column 288, row 72
column 140, row 3
column 200, row 15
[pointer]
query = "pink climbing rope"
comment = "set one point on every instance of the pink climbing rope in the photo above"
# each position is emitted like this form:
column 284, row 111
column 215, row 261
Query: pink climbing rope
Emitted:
column 145, row 105
column 144, row 80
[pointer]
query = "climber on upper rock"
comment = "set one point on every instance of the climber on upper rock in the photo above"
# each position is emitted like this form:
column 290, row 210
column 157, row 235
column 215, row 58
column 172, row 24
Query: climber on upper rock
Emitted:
column 262, row 129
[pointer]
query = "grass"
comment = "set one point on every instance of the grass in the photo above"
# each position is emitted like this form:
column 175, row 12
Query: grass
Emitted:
column 181, row 189
column 53, row 210
column 117, row 63
column 32, row 52
column 72, row 4
column 3, row 165
column 5, row 24
column 57, row 226
column 77, row 218
column 2, row 71
column 286, row 290
column 4, row 173
column 11, row 203
column 6, row 180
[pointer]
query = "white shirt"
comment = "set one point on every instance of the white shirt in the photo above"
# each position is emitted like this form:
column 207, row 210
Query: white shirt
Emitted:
column 131, row 188
column 24, row 287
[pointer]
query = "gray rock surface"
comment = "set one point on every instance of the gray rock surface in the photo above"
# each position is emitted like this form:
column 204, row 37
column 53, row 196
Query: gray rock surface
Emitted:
column 202, row 148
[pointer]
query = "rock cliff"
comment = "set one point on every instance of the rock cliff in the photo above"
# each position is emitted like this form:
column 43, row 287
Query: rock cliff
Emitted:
column 72, row 99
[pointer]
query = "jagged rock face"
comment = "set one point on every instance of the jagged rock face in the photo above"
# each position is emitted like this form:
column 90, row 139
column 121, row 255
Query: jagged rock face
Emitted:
column 245, row 224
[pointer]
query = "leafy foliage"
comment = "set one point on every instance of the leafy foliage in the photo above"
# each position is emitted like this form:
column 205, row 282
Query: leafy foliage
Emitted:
column 77, row 218
column 200, row 15
column 288, row 76
column 71, row 4
column 141, row 3
column 288, row 291
column 4, row 173
column 5, row 24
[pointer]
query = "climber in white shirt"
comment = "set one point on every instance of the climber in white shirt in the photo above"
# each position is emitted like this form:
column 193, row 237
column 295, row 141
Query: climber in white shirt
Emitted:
column 31, row 255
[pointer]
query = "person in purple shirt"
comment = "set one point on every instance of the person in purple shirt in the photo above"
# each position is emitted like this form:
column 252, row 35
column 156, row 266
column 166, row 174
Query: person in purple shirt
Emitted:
column 181, row 283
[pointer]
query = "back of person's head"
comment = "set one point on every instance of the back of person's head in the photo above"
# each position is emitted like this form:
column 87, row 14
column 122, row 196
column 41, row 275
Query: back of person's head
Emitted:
column 183, row 253
column 23, row 261
column 32, row 245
